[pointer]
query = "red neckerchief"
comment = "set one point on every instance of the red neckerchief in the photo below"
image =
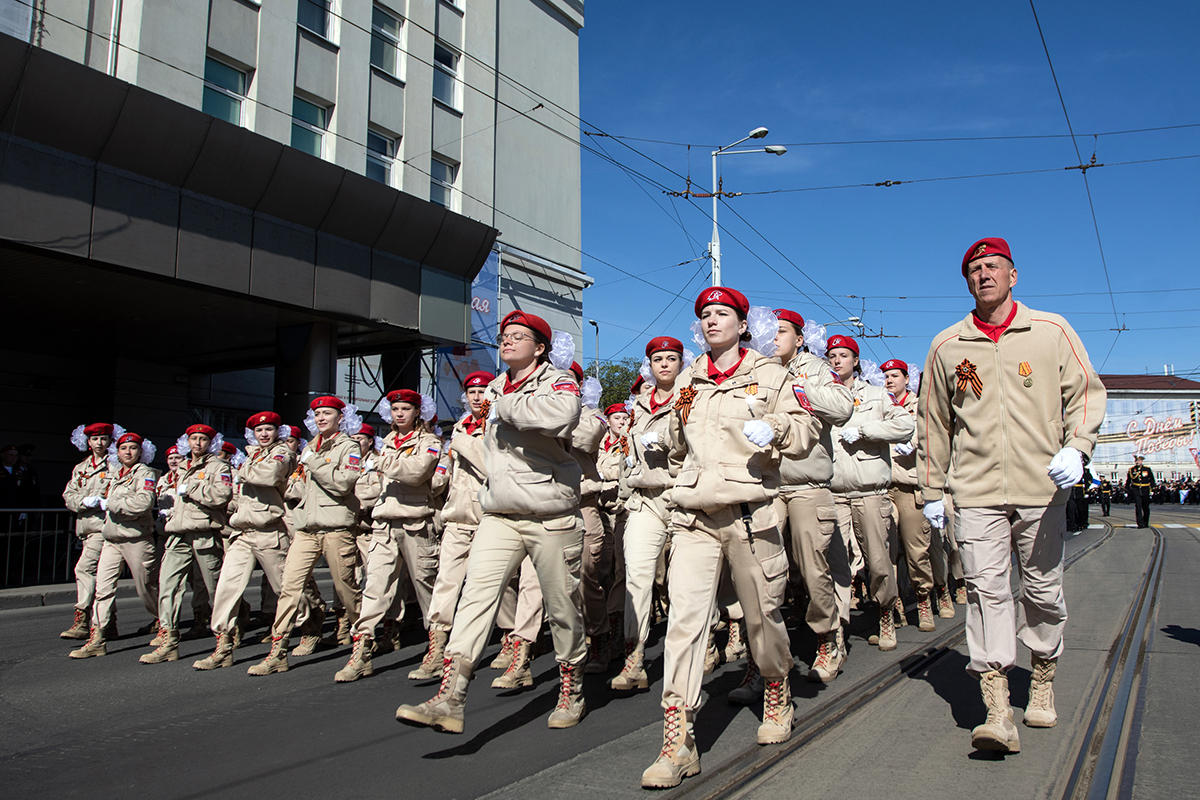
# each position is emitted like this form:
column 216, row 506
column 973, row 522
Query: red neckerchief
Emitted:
column 720, row 377
column 320, row 441
column 124, row 471
column 473, row 424
column 900, row 400
column 510, row 387
column 609, row 441
column 399, row 440
column 654, row 407
column 993, row 332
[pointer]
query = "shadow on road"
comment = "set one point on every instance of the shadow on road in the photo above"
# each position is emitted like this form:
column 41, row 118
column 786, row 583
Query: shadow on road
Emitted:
column 1181, row 634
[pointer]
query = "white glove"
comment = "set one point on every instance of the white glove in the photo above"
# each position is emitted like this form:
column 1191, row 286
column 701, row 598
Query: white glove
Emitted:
column 493, row 413
column 935, row 512
column 630, row 461
column 1066, row 468
column 103, row 504
column 904, row 449
column 162, row 512
column 758, row 432
column 306, row 455
column 650, row 438
column 369, row 465
column 91, row 502
column 851, row 435
column 181, row 490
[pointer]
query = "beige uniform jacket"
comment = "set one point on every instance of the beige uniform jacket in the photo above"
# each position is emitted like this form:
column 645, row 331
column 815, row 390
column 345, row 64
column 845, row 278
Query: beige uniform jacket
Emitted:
column 865, row 466
column 263, row 478
column 368, row 489
column 585, row 446
column 407, row 466
column 209, row 482
column 825, row 396
column 130, row 502
column 904, row 468
column 466, row 473
column 530, row 468
column 652, row 466
column 1037, row 393
column 720, row 467
column 166, row 500
column 326, row 485
column 89, row 479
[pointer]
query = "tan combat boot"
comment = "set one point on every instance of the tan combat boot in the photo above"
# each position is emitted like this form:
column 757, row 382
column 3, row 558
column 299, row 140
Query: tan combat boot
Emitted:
column 901, row 617
column 94, row 647
column 1040, row 712
column 598, row 655
column 998, row 732
column 431, row 664
column 735, row 648
column 359, row 665
column 517, row 675
column 341, row 635
column 750, row 689
column 235, row 634
column 633, row 671
column 310, row 633
column 222, row 656
column 167, row 651
column 960, row 595
column 504, row 657
column 712, row 656
column 778, row 712
column 841, row 643
column 925, row 613
column 571, row 708
column 200, row 621
column 887, row 629
column 945, row 605
column 679, row 757
column 276, row 660
column 828, row 661
column 445, row 711
column 80, row 625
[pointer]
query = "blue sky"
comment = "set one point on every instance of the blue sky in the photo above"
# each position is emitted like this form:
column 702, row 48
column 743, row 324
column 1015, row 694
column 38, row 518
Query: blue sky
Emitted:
column 706, row 73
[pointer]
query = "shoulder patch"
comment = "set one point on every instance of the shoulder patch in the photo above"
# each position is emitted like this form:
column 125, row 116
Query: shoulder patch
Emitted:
column 433, row 449
column 278, row 457
column 802, row 398
column 148, row 485
column 354, row 459
column 226, row 479
column 566, row 386
column 837, row 378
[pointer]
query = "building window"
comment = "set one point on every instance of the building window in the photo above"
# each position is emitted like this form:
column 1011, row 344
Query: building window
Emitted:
column 442, row 177
column 308, row 126
column 445, row 75
column 224, row 91
column 385, row 41
column 314, row 15
column 381, row 155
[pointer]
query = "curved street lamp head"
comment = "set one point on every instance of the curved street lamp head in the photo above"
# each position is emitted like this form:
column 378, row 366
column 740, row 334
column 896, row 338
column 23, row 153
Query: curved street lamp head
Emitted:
column 758, row 133
column 775, row 149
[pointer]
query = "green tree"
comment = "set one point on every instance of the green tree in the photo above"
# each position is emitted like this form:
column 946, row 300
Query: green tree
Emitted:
column 616, row 377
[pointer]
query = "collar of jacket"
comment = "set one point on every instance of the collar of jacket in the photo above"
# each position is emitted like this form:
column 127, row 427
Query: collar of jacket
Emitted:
column 1022, row 321
column 527, row 385
column 740, row 378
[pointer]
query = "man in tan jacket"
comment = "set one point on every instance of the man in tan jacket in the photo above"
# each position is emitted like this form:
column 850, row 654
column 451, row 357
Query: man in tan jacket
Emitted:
column 1008, row 416
column 83, row 493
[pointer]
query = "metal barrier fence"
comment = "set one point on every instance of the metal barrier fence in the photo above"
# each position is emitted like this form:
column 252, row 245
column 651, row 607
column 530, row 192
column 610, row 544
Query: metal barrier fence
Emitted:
column 38, row 546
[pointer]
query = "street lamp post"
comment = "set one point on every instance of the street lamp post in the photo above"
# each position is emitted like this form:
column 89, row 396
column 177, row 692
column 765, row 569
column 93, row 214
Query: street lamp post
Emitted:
column 714, row 247
column 597, row 327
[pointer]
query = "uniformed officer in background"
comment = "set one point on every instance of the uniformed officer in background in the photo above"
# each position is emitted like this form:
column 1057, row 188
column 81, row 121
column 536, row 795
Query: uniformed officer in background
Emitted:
column 1139, row 483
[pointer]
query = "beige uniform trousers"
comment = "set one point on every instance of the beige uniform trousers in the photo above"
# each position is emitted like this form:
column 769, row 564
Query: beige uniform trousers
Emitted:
column 819, row 553
column 987, row 539
column 868, row 521
column 341, row 554
column 393, row 545
column 522, row 609
column 597, row 565
column 501, row 543
column 362, row 540
column 181, row 555
column 452, row 570
column 615, row 599
column 85, row 570
column 944, row 557
column 700, row 545
column 268, row 548
column 645, row 536
column 139, row 555
column 914, row 536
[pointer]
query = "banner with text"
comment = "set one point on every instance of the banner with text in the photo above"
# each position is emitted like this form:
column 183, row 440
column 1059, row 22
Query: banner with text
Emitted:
column 456, row 363
column 1161, row 431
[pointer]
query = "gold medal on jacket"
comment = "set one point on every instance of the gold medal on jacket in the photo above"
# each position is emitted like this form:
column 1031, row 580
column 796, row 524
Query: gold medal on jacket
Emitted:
column 1026, row 371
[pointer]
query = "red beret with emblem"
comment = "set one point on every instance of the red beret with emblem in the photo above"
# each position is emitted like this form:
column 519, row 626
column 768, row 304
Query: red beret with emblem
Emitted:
column 264, row 418
column 894, row 363
column 228, row 447
column 328, row 401
column 129, row 437
column 994, row 246
column 842, row 341
column 723, row 296
column 577, row 371
column 661, row 343
column 99, row 429
column 790, row 316
column 405, row 396
column 531, row 321
column 205, row 429
column 367, row 430
column 616, row 408
column 478, row 378
column 172, row 450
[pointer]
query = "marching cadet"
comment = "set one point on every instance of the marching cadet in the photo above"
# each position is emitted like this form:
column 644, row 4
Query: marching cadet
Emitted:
column 323, row 521
column 204, row 489
column 530, row 504
column 258, row 533
column 805, row 503
column 735, row 412
column 462, row 467
column 650, row 476
column 404, row 534
column 128, row 531
column 914, row 529
column 82, row 496
column 1105, row 496
column 1008, row 416
column 862, row 473
column 1139, row 483
column 610, row 463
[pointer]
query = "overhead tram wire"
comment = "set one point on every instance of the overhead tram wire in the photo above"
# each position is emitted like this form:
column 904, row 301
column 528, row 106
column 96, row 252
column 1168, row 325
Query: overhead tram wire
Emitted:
column 658, row 316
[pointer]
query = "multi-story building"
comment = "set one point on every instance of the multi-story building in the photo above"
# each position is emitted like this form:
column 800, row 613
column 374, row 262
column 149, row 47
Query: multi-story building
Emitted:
column 1153, row 416
column 209, row 203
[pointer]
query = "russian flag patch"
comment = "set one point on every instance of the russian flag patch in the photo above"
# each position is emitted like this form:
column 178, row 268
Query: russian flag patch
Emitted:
column 802, row 398
column 441, row 469
column 278, row 457
column 227, row 480
column 149, row 485
column 434, row 450
column 354, row 460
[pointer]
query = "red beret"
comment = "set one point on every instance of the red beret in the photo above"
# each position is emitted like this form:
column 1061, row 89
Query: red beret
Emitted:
column 577, row 371
column 723, row 295
column 328, row 401
column 206, row 430
column 479, row 378
column 129, row 437
column 297, row 431
column 532, row 321
column 842, row 341
column 616, row 408
column 895, row 363
column 367, row 430
column 637, row 384
column 228, row 447
column 663, row 343
column 405, row 396
column 98, row 429
column 994, row 246
column 264, row 418
column 790, row 316
column 172, row 450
